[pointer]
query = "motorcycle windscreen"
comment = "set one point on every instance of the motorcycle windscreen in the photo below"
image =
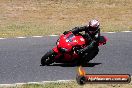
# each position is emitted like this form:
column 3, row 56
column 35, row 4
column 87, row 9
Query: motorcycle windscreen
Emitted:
column 78, row 40
column 70, row 37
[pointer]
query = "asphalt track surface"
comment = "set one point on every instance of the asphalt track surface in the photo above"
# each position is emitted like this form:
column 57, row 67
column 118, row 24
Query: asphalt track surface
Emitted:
column 20, row 59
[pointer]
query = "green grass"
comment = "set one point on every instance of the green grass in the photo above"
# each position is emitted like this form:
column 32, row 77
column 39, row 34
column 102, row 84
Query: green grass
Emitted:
column 72, row 84
column 44, row 17
column 52, row 85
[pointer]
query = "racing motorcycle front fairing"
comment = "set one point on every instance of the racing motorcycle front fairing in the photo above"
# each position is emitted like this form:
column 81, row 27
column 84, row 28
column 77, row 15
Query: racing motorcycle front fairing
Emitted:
column 65, row 45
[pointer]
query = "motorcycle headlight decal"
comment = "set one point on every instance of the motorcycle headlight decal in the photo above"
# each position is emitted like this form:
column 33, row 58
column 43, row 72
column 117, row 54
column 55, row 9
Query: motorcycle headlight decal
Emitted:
column 67, row 40
column 82, row 39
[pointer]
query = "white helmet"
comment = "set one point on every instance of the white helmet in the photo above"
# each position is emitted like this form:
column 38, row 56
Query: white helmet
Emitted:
column 94, row 23
column 93, row 26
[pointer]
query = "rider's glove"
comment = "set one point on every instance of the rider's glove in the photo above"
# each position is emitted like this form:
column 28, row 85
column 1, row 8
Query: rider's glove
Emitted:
column 66, row 32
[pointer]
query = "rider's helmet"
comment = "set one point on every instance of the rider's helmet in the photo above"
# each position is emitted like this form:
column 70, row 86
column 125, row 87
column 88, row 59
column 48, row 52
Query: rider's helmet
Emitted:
column 93, row 26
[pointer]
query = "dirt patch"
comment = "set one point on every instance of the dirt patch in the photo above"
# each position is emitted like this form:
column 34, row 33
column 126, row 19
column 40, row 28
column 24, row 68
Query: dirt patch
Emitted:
column 44, row 17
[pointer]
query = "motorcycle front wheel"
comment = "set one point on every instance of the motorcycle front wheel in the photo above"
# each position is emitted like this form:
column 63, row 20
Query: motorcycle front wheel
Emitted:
column 47, row 59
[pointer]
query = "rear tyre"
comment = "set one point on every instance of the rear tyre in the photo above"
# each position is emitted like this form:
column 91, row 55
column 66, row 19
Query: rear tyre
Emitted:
column 47, row 59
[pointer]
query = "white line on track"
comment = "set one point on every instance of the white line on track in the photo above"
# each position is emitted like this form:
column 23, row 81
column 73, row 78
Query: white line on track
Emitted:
column 42, row 82
column 48, row 81
column 126, row 31
column 53, row 35
column 33, row 83
column 5, row 84
column 20, row 83
column 64, row 80
column 110, row 32
column 21, row 37
column 37, row 36
column 2, row 38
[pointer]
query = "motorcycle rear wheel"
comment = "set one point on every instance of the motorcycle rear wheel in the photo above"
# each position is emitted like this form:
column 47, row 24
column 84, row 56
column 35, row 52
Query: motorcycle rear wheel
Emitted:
column 47, row 59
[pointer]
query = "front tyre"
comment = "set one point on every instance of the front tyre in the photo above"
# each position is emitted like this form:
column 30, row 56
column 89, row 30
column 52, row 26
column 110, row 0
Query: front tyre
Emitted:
column 47, row 59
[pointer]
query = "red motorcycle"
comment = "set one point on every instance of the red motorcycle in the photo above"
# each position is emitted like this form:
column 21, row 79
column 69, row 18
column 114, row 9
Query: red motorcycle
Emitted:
column 66, row 49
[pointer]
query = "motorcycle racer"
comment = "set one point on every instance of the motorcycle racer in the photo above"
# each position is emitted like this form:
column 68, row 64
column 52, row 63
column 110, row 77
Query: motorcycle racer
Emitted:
column 76, row 47
column 92, row 34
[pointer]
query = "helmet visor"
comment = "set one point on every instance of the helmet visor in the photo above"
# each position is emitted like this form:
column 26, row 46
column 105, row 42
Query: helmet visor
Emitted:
column 93, row 30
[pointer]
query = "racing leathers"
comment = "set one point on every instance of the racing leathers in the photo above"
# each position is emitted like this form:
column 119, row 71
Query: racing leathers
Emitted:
column 93, row 37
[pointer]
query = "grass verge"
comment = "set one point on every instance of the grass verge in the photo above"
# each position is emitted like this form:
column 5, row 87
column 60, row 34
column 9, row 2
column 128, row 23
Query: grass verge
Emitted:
column 45, row 17
column 70, row 84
